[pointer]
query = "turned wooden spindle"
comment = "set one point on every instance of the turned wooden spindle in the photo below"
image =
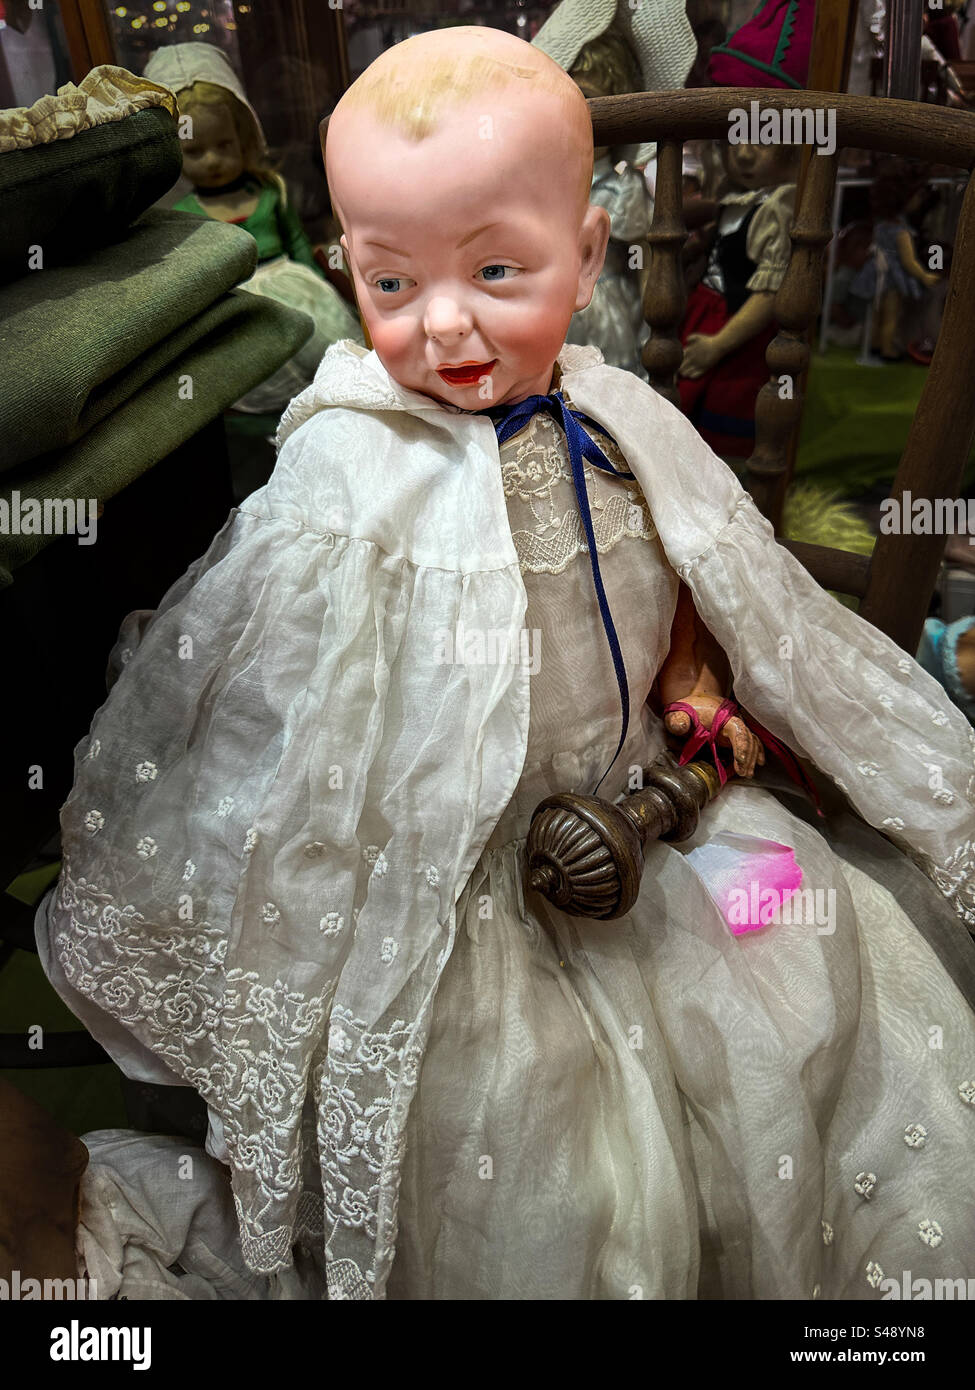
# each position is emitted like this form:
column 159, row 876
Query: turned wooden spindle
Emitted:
column 796, row 305
column 586, row 855
column 665, row 296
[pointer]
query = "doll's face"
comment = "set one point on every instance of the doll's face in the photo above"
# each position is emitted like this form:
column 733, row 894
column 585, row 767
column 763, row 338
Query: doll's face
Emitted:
column 470, row 250
column 757, row 166
column 213, row 157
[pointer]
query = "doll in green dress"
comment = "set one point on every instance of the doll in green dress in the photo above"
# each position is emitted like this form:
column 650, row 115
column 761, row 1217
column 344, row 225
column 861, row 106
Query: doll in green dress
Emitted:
column 225, row 158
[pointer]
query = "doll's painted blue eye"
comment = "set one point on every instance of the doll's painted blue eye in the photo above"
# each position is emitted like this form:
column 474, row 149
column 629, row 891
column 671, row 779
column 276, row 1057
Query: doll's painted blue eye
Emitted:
column 388, row 285
column 486, row 272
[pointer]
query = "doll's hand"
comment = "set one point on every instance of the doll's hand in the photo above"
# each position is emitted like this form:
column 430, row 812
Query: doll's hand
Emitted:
column 746, row 746
column 701, row 353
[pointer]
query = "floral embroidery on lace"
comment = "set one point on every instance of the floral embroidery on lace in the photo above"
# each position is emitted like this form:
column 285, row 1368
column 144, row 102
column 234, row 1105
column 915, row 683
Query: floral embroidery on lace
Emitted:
column 189, row 870
column 966, row 1092
column 330, row 924
column 915, row 1136
column 954, row 877
column 827, row 1233
column 432, row 876
column 387, row 951
column 225, row 807
column 249, row 1035
column 250, row 841
column 864, row 1184
column 146, row 847
column 354, row 1138
column 875, row 1274
column 146, row 772
column 535, row 470
column 94, row 820
column 95, row 749
column 931, row 1233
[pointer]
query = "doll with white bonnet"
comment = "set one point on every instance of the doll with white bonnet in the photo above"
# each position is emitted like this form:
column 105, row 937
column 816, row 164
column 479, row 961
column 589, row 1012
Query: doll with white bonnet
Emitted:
column 225, row 158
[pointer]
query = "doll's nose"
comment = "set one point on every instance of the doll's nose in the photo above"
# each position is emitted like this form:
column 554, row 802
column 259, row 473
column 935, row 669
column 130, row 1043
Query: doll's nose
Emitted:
column 446, row 319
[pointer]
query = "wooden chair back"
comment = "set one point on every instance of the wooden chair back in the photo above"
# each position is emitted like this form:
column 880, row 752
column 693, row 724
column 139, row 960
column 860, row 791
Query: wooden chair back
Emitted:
column 895, row 584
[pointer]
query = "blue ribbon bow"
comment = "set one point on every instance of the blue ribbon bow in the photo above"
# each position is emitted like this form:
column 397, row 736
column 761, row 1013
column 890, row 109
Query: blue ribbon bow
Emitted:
column 507, row 422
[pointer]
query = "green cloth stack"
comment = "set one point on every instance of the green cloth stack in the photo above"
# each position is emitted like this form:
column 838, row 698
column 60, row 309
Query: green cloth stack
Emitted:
column 115, row 353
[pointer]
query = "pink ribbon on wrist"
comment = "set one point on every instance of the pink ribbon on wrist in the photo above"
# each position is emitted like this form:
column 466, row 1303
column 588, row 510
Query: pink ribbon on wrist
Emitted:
column 700, row 736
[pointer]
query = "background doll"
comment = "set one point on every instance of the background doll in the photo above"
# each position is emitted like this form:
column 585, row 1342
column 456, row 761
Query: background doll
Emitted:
column 896, row 193
column 610, row 47
column 226, row 160
column 728, row 323
column 614, row 320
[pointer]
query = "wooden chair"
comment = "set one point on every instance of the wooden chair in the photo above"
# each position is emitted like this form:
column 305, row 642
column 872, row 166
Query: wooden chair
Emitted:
column 895, row 585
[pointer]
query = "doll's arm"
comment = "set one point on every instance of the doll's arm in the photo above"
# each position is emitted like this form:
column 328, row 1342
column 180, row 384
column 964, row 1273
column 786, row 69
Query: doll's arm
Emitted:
column 696, row 671
column 910, row 262
column 704, row 351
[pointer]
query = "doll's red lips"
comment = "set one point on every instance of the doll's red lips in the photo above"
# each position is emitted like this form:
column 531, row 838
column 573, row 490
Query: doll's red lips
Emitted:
column 468, row 373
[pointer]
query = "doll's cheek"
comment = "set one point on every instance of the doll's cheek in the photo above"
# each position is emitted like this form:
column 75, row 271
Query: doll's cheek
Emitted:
column 394, row 341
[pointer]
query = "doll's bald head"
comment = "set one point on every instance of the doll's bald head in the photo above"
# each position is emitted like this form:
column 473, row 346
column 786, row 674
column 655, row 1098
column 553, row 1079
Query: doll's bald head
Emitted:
column 460, row 168
column 470, row 72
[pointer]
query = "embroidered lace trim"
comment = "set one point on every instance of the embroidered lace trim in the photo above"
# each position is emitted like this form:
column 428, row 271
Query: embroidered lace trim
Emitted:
column 537, row 480
column 232, row 1038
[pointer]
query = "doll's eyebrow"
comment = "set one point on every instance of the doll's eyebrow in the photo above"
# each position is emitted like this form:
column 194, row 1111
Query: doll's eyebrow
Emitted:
column 381, row 246
column 472, row 236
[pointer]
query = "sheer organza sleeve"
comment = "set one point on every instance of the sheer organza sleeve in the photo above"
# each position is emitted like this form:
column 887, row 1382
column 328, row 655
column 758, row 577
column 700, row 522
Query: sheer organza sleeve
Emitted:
column 828, row 684
column 278, row 805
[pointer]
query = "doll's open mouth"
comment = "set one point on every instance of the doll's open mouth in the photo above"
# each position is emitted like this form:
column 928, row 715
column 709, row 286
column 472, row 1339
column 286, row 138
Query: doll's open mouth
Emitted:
column 468, row 374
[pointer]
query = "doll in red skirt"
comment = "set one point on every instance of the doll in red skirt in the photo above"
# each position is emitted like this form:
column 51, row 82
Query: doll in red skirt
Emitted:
column 728, row 324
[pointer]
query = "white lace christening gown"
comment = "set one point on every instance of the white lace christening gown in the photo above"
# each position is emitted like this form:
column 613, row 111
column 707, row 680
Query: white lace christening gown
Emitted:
column 655, row 1107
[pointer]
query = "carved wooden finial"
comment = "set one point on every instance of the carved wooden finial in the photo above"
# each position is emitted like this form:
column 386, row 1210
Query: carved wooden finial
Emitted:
column 586, row 855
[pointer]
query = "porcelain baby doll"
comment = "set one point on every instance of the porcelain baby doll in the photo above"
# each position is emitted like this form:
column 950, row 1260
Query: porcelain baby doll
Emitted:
column 225, row 158
column 728, row 323
column 294, row 855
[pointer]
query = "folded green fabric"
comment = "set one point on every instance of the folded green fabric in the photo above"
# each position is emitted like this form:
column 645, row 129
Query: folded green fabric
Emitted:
column 71, row 194
column 227, row 350
column 71, row 338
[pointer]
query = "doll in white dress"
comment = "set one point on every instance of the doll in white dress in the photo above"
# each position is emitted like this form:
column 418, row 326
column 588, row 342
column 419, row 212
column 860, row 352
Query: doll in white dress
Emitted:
column 294, row 855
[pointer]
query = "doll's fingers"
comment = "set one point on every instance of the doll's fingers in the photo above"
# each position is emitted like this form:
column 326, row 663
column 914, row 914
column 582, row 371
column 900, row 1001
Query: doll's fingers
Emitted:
column 752, row 753
column 745, row 747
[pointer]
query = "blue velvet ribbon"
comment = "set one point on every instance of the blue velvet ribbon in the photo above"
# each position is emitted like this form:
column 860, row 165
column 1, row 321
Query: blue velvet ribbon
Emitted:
column 508, row 420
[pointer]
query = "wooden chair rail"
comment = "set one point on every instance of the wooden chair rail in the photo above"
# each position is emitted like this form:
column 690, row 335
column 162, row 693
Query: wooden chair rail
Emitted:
column 896, row 584
column 912, row 129
column 840, row 570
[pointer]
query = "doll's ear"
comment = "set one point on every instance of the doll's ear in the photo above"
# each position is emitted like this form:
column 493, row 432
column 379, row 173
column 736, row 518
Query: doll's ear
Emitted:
column 593, row 240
